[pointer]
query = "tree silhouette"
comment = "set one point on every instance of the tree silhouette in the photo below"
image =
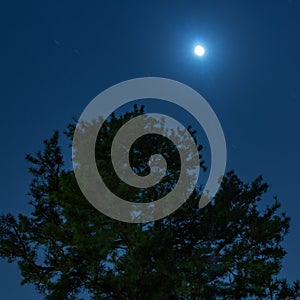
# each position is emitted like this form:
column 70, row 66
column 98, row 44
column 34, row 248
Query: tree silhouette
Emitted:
column 230, row 249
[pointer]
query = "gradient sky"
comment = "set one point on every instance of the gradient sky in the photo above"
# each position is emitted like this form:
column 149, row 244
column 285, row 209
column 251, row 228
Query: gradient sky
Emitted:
column 58, row 55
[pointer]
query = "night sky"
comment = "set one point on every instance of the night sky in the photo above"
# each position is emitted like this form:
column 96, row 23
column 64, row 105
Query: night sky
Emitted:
column 56, row 56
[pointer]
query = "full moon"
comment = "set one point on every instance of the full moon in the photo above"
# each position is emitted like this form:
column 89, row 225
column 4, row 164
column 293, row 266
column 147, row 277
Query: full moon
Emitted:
column 199, row 50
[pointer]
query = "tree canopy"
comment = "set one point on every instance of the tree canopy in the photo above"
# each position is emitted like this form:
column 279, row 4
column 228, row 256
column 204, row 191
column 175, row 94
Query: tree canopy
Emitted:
column 230, row 249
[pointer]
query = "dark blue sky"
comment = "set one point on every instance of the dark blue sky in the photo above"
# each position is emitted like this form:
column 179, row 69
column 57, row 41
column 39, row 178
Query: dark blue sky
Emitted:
column 58, row 55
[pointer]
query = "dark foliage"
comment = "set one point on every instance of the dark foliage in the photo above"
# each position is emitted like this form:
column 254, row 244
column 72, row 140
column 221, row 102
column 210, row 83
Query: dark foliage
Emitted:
column 228, row 250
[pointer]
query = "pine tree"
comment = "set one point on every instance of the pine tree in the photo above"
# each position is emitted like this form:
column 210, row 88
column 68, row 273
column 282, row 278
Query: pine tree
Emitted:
column 230, row 249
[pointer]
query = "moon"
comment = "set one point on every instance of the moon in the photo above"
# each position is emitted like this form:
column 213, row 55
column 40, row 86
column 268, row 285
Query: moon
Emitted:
column 199, row 50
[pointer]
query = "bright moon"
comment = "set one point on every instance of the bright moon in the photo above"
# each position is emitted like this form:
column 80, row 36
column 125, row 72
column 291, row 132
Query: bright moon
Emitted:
column 199, row 50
